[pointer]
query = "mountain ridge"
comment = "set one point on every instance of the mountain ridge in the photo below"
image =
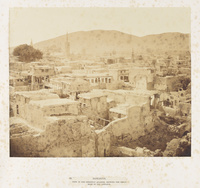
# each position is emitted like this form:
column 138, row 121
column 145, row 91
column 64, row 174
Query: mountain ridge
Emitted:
column 105, row 41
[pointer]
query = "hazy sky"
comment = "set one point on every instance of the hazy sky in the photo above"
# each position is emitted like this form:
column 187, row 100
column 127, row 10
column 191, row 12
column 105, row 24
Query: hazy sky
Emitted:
column 41, row 24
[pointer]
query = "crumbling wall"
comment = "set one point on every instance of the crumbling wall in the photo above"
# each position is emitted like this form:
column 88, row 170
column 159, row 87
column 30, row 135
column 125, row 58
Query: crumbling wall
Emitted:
column 102, row 143
column 138, row 121
column 131, row 124
column 114, row 115
column 71, row 134
column 67, row 136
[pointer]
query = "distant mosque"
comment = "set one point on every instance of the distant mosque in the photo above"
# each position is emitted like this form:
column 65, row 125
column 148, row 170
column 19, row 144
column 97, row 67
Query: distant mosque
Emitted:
column 67, row 47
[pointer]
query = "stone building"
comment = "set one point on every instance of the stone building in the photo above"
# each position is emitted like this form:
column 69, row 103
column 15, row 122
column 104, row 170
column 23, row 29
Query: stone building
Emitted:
column 68, row 86
column 22, row 99
column 94, row 106
column 138, row 77
column 54, row 127
column 40, row 75
column 142, row 77
column 20, row 83
column 120, row 74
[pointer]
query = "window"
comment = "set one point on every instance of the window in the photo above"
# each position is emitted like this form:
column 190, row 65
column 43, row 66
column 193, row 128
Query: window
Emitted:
column 17, row 109
column 83, row 105
column 106, row 80
column 126, row 78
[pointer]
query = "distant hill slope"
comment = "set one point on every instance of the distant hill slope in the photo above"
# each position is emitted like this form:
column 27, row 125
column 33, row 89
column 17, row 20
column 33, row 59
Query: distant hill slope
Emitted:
column 106, row 41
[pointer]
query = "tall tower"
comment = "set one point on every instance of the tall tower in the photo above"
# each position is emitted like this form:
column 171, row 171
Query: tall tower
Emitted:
column 31, row 43
column 67, row 47
column 132, row 56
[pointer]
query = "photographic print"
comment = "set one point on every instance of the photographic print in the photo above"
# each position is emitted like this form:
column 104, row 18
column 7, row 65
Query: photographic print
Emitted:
column 100, row 82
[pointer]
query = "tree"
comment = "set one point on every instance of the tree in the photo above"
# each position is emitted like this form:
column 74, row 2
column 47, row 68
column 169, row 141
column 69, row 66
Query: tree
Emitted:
column 185, row 82
column 181, row 84
column 27, row 53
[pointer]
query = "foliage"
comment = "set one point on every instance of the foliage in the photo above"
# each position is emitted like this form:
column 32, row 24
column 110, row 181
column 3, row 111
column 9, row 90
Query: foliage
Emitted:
column 27, row 53
column 182, row 83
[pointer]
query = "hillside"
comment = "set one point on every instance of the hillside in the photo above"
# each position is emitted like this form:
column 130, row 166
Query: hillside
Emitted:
column 106, row 41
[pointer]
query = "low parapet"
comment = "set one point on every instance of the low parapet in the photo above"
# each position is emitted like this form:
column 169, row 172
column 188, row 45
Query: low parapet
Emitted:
column 37, row 95
column 91, row 95
column 53, row 102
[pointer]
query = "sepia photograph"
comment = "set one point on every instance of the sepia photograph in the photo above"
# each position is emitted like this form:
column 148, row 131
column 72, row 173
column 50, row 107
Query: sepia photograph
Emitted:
column 100, row 82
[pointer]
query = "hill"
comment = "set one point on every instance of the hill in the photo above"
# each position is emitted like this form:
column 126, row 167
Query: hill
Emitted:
column 106, row 41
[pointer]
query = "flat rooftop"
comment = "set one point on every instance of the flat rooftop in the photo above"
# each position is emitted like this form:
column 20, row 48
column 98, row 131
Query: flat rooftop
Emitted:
column 120, row 109
column 53, row 102
column 68, row 80
column 91, row 95
column 37, row 95
column 86, row 75
column 138, row 92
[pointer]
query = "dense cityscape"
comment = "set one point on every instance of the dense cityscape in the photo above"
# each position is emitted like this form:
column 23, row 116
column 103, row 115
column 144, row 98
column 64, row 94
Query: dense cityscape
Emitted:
column 131, row 103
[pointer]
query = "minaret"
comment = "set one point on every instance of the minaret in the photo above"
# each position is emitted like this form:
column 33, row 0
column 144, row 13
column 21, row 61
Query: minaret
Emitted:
column 31, row 44
column 132, row 56
column 67, row 47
